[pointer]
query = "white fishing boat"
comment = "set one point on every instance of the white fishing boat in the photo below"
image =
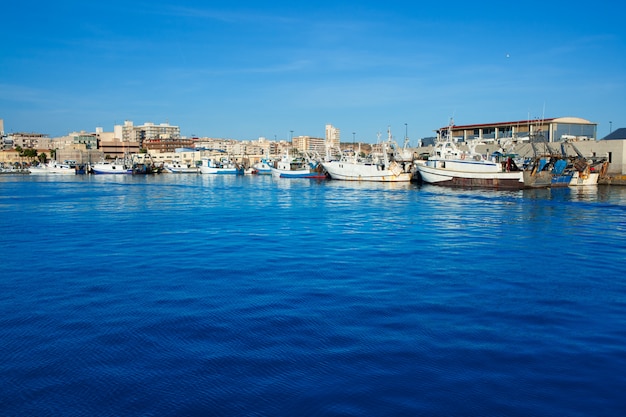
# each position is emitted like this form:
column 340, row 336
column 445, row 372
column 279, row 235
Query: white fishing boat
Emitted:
column 380, row 168
column 12, row 169
column 449, row 165
column 117, row 166
column 220, row 166
column 54, row 167
column 262, row 167
column 180, row 168
column 585, row 171
column 588, row 173
column 297, row 167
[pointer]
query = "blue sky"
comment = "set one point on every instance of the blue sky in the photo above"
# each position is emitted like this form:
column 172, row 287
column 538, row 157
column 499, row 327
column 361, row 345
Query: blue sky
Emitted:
column 245, row 69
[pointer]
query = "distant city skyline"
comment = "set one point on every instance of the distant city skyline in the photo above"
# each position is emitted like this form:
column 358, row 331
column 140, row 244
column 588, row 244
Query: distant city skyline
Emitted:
column 245, row 71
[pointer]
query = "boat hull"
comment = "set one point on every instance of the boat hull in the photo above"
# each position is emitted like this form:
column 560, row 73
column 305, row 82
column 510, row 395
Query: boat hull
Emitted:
column 562, row 180
column 541, row 179
column 349, row 171
column 303, row 173
column 176, row 168
column 52, row 171
column 501, row 180
column 182, row 170
column 54, row 168
column 221, row 171
column 102, row 169
column 262, row 168
column 582, row 180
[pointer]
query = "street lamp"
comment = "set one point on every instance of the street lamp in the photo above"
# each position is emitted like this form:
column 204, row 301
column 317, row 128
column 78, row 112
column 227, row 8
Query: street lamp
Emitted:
column 291, row 135
column 406, row 131
column 610, row 127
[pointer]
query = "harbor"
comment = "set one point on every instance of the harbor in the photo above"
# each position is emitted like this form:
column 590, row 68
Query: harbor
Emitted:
column 362, row 209
column 533, row 153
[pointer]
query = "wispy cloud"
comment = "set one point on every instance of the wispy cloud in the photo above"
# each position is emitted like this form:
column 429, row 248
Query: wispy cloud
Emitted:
column 230, row 16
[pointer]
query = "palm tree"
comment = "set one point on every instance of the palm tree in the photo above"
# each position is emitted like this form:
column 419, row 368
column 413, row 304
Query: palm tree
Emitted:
column 43, row 158
column 30, row 153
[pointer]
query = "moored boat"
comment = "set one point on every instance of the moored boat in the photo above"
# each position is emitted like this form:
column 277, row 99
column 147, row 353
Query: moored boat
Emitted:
column 588, row 172
column 379, row 168
column 451, row 166
column 54, row 167
column 298, row 167
column 547, row 171
column 180, row 168
column 262, row 167
column 116, row 166
column 220, row 166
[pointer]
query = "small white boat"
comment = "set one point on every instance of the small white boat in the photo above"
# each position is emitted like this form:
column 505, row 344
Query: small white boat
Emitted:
column 586, row 173
column 180, row 168
column 112, row 167
column 262, row 167
column 221, row 166
column 366, row 171
column 54, row 167
column 297, row 167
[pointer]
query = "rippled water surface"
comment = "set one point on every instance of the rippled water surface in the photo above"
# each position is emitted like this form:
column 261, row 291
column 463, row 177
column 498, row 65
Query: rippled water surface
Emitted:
column 216, row 295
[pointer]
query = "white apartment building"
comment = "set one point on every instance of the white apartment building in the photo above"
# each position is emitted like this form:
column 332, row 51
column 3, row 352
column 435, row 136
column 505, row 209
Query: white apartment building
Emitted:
column 309, row 144
column 132, row 133
column 333, row 137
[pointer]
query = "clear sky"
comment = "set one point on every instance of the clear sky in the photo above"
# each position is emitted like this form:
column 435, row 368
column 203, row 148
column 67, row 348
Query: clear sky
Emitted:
column 246, row 69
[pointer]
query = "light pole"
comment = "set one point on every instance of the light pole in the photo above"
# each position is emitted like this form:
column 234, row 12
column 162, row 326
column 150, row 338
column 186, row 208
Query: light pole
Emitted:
column 610, row 127
column 406, row 131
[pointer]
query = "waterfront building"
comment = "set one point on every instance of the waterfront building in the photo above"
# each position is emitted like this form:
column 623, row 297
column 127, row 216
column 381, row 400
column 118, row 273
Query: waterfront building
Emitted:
column 90, row 140
column 261, row 146
column 332, row 137
column 168, row 144
column 549, row 130
column 117, row 148
column 29, row 140
column 309, row 144
column 224, row 145
column 132, row 133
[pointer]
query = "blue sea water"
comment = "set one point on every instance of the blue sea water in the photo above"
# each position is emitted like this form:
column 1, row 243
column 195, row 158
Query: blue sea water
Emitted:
column 185, row 295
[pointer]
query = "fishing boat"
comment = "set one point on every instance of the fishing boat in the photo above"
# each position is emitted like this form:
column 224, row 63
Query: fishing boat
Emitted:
column 380, row 168
column 180, row 168
column 262, row 167
column 584, row 171
column 12, row 169
column 223, row 165
column 117, row 166
column 297, row 167
column 588, row 173
column 451, row 166
column 54, row 167
column 547, row 171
